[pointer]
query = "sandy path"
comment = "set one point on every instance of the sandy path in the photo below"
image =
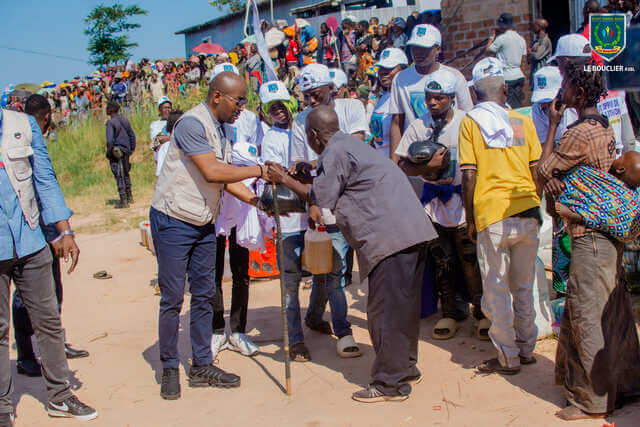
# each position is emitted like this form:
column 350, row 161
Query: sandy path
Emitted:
column 116, row 321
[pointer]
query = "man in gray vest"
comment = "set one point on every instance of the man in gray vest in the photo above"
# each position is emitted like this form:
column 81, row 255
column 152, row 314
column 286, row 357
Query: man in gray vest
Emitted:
column 184, row 209
column 29, row 190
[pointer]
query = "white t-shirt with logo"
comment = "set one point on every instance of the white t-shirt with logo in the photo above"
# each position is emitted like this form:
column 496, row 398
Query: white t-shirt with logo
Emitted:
column 407, row 94
column 352, row 118
column 450, row 214
column 380, row 124
column 613, row 107
column 509, row 48
column 276, row 145
column 246, row 136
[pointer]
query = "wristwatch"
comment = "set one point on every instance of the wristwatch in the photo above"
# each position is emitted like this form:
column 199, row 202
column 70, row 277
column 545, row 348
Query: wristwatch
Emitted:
column 68, row 233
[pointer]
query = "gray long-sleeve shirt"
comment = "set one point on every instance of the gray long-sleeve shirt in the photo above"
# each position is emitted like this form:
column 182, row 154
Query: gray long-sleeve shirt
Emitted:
column 375, row 206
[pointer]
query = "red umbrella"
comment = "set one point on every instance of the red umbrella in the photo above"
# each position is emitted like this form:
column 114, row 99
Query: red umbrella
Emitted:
column 207, row 48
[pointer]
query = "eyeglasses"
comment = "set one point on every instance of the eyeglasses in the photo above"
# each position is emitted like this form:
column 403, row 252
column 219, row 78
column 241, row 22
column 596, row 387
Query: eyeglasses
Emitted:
column 239, row 102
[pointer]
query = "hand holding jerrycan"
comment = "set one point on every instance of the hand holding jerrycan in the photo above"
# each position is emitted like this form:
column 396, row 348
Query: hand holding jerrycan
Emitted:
column 317, row 257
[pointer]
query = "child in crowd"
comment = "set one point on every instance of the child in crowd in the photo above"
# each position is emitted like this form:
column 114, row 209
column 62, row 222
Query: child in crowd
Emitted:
column 606, row 202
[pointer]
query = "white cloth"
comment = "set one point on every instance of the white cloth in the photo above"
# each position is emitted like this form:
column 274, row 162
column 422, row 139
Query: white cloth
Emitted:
column 614, row 107
column 161, row 154
column 156, row 128
column 276, row 146
column 493, row 121
column 380, row 124
column 509, row 48
column 541, row 122
column 407, row 94
column 352, row 118
column 157, row 89
column 450, row 214
column 246, row 136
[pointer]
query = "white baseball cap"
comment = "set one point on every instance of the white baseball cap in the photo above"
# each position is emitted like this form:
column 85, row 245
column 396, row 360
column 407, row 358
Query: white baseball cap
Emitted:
column 425, row 35
column 487, row 67
column 314, row 76
column 162, row 100
column 573, row 45
column 221, row 68
column 441, row 81
column 274, row 91
column 391, row 57
column 547, row 81
column 338, row 77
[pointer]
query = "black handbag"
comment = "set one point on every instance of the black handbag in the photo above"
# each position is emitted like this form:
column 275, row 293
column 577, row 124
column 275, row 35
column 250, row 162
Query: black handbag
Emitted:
column 288, row 200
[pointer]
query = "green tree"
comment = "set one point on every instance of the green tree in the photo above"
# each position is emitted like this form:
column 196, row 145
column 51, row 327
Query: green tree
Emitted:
column 107, row 28
column 233, row 5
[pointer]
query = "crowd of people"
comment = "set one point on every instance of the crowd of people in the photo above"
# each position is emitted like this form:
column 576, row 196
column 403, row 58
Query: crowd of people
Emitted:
column 401, row 160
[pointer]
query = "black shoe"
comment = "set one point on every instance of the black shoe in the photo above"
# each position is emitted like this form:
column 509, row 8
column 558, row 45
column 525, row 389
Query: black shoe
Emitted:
column 29, row 367
column 209, row 375
column 122, row 203
column 170, row 388
column 6, row 419
column 130, row 198
column 73, row 353
column 373, row 394
column 71, row 407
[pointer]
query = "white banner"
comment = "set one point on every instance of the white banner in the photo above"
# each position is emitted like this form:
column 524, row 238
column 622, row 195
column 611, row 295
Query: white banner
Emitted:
column 262, row 45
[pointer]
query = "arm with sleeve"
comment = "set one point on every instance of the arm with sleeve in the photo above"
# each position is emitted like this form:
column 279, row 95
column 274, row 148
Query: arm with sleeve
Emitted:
column 357, row 118
column 330, row 182
column 191, row 137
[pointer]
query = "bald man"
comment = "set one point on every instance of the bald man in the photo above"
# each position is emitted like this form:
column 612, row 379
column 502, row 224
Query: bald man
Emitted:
column 381, row 217
column 541, row 49
column 184, row 209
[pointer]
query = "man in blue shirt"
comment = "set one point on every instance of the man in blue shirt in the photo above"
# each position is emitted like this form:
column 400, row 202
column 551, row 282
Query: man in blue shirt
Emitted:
column 29, row 190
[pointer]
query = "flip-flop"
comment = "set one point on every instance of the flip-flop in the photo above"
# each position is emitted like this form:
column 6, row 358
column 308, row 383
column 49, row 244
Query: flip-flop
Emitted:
column 347, row 347
column 102, row 275
column 492, row 366
column 445, row 329
column 299, row 353
column 482, row 330
column 572, row 413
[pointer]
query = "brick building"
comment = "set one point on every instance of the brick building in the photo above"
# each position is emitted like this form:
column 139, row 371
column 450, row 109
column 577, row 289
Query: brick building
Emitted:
column 466, row 23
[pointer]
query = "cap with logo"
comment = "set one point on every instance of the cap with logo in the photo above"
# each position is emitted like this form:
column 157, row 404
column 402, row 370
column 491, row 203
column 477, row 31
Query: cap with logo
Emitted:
column 273, row 91
column 391, row 57
column 221, row 68
column 441, row 81
column 163, row 100
column 314, row 76
column 338, row 77
column 425, row 35
column 572, row 45
column 487, row 67
column 547, row 81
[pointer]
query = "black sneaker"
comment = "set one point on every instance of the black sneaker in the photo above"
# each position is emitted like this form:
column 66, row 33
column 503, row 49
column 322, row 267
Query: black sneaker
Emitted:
column 6, row 419
column 29, row 367
column 212, row 376
column 170, row 387
column 71, row 407
column 372, row 394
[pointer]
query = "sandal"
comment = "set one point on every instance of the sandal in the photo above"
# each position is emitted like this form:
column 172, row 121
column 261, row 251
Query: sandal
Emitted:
column 445, row 329
column 347, row 347
column 323, row 327
column 102, row 275
column 493, row 366
column 299, row 353
column 572, row 413
column 482, row 330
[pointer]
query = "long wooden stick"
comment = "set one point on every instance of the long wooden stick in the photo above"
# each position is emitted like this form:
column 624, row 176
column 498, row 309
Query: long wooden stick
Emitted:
column 283, row 309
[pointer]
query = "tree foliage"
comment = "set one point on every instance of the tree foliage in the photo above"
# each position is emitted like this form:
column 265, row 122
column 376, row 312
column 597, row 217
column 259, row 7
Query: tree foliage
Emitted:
column 233, row 5
column 107, row 28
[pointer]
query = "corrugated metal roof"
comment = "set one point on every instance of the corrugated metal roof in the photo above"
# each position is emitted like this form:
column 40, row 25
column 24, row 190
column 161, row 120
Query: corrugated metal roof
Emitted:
column 220, row 19
column 314, row 6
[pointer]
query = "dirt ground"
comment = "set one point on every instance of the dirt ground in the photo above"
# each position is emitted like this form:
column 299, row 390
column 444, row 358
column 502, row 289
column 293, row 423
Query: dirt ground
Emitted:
column 116, row 320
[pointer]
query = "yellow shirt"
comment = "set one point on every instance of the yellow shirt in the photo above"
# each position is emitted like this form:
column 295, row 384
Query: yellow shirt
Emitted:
column 504, row 186
column 233, row 57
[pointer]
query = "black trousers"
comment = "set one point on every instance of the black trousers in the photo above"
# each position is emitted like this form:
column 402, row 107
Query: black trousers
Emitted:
column 122, row 177
column 393, row 317
column 239, row 260
column 22, row 328
column 514, row 92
